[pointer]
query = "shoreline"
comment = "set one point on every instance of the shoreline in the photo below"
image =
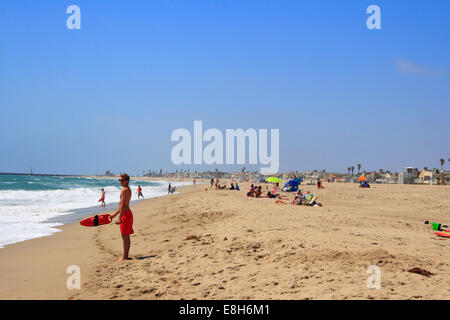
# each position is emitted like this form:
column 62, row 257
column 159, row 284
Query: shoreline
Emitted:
column 221, row 245
column 68, row 243
column 77, row 213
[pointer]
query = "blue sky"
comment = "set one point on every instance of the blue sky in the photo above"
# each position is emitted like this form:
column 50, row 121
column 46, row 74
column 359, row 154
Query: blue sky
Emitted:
column 108, row 96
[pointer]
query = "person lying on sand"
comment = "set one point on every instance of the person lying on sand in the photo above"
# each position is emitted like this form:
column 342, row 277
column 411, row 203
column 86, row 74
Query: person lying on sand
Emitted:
column 271, row 195
column 125, row 220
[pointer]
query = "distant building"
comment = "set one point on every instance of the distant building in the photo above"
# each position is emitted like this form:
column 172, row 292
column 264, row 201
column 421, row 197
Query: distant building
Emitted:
column 442, row 177
column 388, row 178
column 425, row 177
column 240, row 175
column 336, row 177
column 409, row 175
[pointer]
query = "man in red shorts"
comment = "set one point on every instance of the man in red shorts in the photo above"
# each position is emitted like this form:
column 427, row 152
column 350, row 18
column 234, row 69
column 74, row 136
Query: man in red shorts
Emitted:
column 126, row 216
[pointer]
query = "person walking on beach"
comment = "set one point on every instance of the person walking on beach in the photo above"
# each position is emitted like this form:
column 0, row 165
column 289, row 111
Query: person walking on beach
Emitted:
column 139, row 192
column 212, row 182
column 102, row 199
column 170, row 186
column 125, row 220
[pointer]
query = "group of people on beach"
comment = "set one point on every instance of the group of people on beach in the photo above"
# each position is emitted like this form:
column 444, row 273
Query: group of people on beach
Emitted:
column 234, row 186
column 301, row 198
column 125, row 220
column 256, row 192
column 216, row 183
column 364, row 184
column 305, row 198
column 103, row 197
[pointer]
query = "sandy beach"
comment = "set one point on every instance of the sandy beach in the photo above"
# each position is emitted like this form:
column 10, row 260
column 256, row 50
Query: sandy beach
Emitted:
column 214, row 244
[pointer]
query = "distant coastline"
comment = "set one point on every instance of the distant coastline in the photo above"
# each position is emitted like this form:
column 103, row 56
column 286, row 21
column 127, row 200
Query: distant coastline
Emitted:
column 156, row 178
column 38, row 174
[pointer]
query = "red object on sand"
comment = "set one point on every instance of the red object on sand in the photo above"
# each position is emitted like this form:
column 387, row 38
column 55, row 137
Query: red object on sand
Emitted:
column 96, row 220
column 443, row 234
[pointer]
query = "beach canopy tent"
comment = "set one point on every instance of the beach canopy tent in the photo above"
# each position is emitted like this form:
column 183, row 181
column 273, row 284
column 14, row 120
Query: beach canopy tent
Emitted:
column 362, row 178
column 274, row 180
column 292, row 185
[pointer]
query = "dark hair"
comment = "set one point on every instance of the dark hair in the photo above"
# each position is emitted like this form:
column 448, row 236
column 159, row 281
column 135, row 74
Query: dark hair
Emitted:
column 124, row 176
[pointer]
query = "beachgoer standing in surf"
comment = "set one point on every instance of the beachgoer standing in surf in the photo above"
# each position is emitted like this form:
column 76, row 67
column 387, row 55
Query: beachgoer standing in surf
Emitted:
column 102, row 199
column 139, row 192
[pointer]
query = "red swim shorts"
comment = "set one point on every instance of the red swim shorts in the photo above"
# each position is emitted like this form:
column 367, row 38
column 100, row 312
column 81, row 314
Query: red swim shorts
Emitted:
column 126, row 227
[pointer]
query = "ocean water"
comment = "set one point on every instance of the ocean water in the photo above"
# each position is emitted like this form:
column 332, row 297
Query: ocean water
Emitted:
column 34, row 206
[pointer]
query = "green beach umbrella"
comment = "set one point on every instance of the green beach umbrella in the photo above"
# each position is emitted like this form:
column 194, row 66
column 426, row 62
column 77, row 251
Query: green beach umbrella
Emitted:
column 274, row 180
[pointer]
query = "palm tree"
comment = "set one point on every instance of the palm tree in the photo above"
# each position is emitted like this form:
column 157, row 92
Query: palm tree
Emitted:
column 353, row 169
column 442, row 164
column 359, row 167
